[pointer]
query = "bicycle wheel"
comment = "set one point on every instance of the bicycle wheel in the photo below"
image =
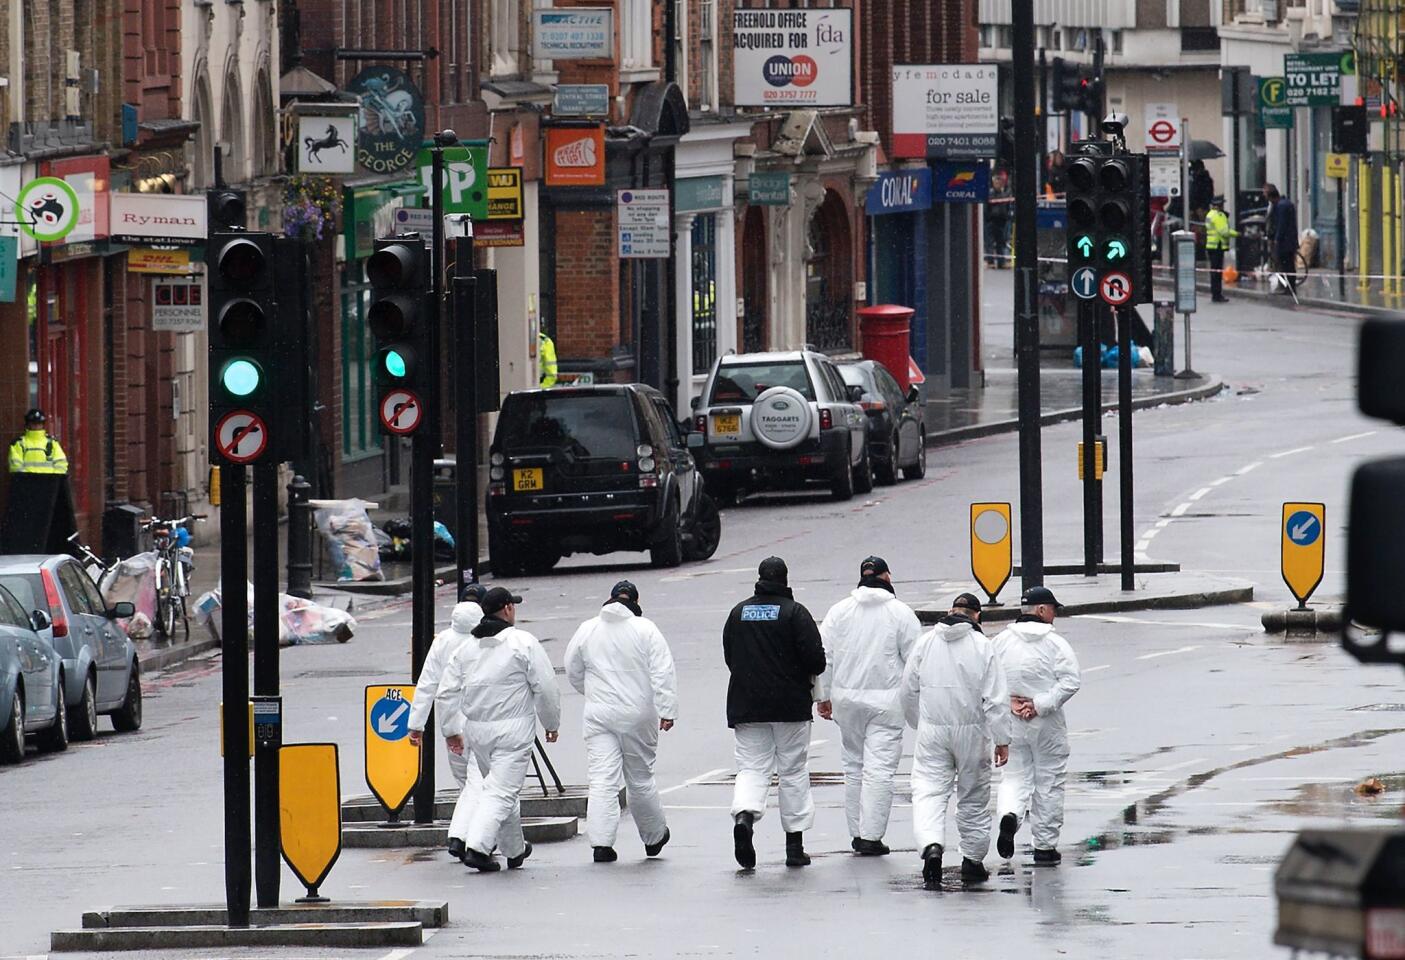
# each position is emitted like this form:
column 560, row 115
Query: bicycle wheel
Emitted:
column 166, row 615
column 182, row 613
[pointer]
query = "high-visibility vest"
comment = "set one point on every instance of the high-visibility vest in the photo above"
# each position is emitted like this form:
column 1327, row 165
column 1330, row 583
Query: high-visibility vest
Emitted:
column 37, row 452
column 546, row 358
column 1217, row 230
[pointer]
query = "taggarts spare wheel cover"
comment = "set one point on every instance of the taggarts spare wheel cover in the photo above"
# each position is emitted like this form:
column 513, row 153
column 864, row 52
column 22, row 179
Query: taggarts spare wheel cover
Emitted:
column 781, row 418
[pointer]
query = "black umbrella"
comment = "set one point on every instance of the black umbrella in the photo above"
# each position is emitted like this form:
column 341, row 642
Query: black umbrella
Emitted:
column 1203, row 150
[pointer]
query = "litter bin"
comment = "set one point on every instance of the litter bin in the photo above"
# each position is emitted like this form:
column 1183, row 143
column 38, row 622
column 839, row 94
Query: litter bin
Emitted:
column 1164, row 339
column 121, row 530
column 445, row 491
column 883, row 336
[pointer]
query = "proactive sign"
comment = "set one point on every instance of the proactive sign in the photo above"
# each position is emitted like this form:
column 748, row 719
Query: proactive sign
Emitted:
column 392, row 762
column 992, row 549
column 1304, row 548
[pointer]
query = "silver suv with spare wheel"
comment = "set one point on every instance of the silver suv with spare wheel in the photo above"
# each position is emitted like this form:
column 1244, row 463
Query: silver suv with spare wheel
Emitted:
column 769, row 421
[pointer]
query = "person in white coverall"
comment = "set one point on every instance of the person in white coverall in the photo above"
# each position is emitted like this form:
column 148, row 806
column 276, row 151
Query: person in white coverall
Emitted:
column 464, row 618
column 953, row 692
column 622, row 664
column 866, row 637
column 1042, row 674
column 507, row 684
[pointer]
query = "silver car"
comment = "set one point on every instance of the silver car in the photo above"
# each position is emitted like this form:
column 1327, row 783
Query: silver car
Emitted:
column 101, row 671
column 31, row 683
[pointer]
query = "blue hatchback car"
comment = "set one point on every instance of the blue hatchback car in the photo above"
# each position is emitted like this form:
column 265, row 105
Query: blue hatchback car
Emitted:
column 31, row 683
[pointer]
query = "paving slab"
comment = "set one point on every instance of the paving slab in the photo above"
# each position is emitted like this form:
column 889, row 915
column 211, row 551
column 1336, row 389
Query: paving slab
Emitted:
column 1154, row 591
column 103, row 939
column 428, row 913
column 572, row 803
column 375, row 836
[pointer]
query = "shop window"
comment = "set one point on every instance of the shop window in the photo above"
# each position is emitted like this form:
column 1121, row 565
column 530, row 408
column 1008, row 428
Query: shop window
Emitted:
column 360, row 428
column 704, row 288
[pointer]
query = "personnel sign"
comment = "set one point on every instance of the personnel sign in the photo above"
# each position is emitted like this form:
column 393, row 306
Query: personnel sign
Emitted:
column 992, row 552
column 1304, row 548
column 392, row 762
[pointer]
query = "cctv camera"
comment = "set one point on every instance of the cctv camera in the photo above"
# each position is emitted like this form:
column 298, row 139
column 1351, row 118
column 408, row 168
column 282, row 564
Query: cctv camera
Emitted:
column 1115, row 124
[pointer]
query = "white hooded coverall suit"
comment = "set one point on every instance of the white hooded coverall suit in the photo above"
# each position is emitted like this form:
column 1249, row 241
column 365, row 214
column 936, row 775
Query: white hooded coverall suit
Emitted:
column 954, row 694
column 867, row 637
column 464, row 618
column 503, row 684
column 622, row 664
column 1039, row 664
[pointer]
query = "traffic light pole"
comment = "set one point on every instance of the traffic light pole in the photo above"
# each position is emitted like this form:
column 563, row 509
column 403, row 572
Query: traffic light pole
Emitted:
column 235, row 693
column 1026, row 306
column 465, row 316
column 267, row 865
column 1124, row 440
column 1090, row 340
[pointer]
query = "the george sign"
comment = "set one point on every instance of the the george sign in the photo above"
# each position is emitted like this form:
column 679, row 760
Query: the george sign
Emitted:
column 947, row 111
column 327, row 145
column 694, row 194
column 581, row 33
column 1163, row 127
column 1338, row 165
column 575, row 156
column 1084, row 283
column 899, row 191
column 992, row 547
column 1115, row 289
column 1304, row 547
column 401, row 412
column 505, row 193
column 1314, row 79
column 960, row 182
column 499, row 233
column 241, row 437
column 392, row 762
column 9, row 268
column 465, row 179
column 150, row 260
column 1274, row 111
column 178, row 305
column 390, row 126
column 47, row 209
column 793, row 58
column 768, row 188
column 163, row 218
column 641, row 218
column 581, row 100
column 309, row 810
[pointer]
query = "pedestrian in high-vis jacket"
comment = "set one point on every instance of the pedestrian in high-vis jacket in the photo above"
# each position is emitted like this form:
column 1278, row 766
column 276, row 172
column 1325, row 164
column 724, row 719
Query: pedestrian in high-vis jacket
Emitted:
column 621, row 662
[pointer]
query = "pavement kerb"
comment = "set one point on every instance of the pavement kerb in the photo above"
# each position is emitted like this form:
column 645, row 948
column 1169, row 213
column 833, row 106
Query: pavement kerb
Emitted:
column 1283, row 301
column 102, row 939
column 429, row 913
column 942, row 438
column 1239, row 593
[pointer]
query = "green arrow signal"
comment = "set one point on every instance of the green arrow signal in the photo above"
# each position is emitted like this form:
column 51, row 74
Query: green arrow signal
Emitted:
column 1116, row 250
column 1085, row 245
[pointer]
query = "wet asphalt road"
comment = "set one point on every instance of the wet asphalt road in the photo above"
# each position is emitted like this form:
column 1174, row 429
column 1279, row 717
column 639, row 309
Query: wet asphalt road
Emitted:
column 1200, row 745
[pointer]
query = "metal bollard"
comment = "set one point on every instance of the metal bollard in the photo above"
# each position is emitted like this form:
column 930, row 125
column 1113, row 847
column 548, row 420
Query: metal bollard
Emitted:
column 299, row 539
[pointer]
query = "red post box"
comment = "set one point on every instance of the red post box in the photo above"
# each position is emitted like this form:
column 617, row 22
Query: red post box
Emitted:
column 883, row 336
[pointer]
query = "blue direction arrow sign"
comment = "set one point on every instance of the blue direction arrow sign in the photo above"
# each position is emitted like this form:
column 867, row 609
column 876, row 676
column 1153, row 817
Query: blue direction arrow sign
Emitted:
column 1303, row 528
column 1084, row 283
column 390, row 719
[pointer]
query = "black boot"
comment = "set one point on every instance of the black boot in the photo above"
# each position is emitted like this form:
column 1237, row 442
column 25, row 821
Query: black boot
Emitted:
column 795, row 855
column 514, row 862
column 973, row 871
column 741, row 841
column 483, row 862
column 456, row 848
column 1048, row 858
column 654, row 849
column 871, row 848
column 1005, row 843
column 932, row 866
column 606, row 855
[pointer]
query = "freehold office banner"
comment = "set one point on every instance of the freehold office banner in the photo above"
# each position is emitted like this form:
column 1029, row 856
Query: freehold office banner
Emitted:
column 793, row 58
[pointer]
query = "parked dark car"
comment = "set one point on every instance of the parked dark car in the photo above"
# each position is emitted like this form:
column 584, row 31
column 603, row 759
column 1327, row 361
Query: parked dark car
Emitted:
column 594, row 469
column 897, row 432
column 31, row 683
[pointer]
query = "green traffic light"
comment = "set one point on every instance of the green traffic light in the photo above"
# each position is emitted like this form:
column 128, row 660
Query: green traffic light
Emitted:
column 395, row 364
column 1084, row 246
column 1116, row 250
column 240, row 377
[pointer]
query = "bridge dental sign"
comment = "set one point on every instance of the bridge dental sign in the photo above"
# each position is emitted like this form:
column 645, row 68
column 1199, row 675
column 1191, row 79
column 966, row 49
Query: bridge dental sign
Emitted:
column 793, row 58
column 945, row 111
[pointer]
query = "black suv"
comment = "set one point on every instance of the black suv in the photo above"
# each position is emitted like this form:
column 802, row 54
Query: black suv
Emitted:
column 593, row 469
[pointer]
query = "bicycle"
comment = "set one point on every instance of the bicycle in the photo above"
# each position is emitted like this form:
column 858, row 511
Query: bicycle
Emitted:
column 93, row 564
column 174, row 565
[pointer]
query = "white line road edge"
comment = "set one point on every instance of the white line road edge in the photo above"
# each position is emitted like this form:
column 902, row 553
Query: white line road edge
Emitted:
column 695, row 780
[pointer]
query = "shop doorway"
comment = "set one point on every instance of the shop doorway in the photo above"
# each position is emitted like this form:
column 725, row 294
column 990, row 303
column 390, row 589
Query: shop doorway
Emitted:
column 829, row 277
column 754, row 299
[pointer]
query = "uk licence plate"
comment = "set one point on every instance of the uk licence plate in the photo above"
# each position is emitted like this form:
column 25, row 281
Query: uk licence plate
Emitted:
column 527, row 480
column 727, row 423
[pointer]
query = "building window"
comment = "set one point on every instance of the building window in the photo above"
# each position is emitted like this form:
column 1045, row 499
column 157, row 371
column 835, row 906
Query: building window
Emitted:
column 1199, row 39
column 1056, row 37
column 1116, row 41
column 707, row 55
column 680, row 45
column 704, row 292
column 987, row 36
column 636, row 30
column 505, row 38
column 1005, row 37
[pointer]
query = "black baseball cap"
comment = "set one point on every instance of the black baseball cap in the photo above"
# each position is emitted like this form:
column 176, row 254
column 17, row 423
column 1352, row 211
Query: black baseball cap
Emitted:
column 497, row 598
column 1035, row 596
column 474, row 592
column 627, row 590
column 966, row 601
column 773, row 569
column 873, row 567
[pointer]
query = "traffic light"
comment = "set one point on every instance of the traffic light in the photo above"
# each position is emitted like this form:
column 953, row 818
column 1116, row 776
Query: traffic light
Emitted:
column 225, row 207
column 1349, row 129
column 1108, row 233
column 244, row 348
column 1076, row 88
column 399, row 272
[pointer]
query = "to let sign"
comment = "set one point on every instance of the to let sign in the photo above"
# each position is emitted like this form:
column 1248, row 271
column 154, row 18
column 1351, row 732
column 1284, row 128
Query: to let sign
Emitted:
column 1314, row 79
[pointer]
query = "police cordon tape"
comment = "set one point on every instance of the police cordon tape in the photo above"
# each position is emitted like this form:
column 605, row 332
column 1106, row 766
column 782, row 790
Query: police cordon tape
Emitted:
column 1303, row 276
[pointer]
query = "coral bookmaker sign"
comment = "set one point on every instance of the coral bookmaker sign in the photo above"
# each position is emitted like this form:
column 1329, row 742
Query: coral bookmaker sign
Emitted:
column 960, row 182
column 575, row 156
column 390, row 125
column 945, row 111
column 899, row 191
column 793, row 58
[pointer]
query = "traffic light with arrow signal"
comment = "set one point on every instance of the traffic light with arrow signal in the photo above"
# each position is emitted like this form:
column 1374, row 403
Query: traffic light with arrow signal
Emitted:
column 1109, row 250
column 399, row 272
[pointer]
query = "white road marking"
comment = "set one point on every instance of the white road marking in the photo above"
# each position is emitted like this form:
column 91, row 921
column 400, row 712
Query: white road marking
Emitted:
column 1198, row 494
column 1114, row 618
column 1355, row 436
column 818, row 743
column 1221, row 480
column 1163, row 523
column 1246, row 469
column 1102, row 666
column 1288, row 453
column 400, row 953
column 1167, row 653
column 695, row 780
column 1143, row 544
column 1180, row 509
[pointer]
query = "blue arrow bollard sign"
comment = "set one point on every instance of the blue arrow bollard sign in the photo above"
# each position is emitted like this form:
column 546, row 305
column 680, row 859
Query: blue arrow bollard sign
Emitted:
column 1084, row 283
column 390, row 719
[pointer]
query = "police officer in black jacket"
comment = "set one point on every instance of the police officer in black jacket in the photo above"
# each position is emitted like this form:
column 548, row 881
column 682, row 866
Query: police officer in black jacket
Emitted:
column 774, row 652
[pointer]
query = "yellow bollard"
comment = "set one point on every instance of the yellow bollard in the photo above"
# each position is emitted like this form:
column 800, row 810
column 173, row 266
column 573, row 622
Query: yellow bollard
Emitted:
column 1363, row 223
column 1397, row 212
column 1387, row 234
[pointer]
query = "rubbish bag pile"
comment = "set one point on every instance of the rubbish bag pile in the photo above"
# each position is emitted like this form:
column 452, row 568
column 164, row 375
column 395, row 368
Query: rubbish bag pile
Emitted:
column 1108, row 355
column 133, row 580
column 394, row 540
column 299, row 621
column 351, row 539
